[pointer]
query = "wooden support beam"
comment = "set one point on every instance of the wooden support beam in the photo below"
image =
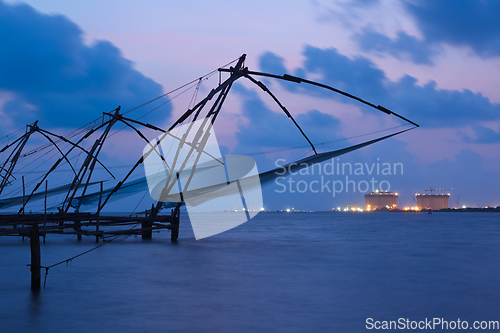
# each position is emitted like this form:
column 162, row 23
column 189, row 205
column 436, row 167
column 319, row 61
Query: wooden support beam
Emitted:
column 24, row 202
column 45, row 213
column 98, row 215
column 77, row 226
column 35, row 258
column 174, row 222
column 147, row 228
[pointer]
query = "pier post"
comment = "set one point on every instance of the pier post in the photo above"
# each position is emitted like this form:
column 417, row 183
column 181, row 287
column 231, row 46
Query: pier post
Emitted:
column 45, row 213
column 98, row 215
column 174, row 223
column 77, row 227
column 147, row 228
column 35, row 257
column 24, row 202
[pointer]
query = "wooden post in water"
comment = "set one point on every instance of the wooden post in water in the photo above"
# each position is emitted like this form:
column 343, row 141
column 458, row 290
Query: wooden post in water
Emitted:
column 174, row 223
column 98, row 214
column 147, row 230
column 45, row 213
column 35, row 257
column 77, row 227
column 24, row 201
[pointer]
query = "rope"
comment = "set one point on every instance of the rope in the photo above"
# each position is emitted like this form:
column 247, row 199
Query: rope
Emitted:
column 94, row 123
column 172, row 91
column 323, row 143
column 195, row 95
column 79, row 255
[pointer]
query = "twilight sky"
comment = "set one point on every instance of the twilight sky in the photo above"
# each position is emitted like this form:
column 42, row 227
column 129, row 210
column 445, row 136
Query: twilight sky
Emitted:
column 435, row 62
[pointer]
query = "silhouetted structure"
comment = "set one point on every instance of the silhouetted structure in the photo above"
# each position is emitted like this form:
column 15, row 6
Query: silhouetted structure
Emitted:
column 380, row 199
column 432, row 201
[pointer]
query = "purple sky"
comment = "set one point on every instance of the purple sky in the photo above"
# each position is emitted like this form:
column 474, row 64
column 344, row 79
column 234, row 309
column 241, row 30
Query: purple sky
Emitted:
column 435, row 62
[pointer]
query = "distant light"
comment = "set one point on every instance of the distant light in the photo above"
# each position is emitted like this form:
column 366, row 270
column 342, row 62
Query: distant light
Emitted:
column 338, row 208
column 288, row 210
column 262, row 209
column 396, row 193
column 463, row 207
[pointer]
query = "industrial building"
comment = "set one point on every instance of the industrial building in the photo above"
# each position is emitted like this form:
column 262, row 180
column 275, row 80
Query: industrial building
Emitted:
column 380, row 199
column 433, row 201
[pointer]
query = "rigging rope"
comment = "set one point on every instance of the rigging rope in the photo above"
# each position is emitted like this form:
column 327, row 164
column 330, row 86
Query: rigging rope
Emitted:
column 172, row 91
column 323, row 143
column 81, row 254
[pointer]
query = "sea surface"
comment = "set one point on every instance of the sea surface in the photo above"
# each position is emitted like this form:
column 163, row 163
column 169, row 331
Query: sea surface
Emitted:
column 279, row 272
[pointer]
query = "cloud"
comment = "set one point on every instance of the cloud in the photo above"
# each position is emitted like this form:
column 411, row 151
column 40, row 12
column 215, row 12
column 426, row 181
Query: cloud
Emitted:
column 359, row 76
column 472, row 24
column 482, row 135
column 427, row 105
column 404, row 47
column 274, row 64
column 267, row 128
column 273, row 132
column 461, row 23
column 468, row 177
column 54, row 77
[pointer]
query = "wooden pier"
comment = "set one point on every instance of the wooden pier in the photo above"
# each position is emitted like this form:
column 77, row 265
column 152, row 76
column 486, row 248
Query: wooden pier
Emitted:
column 35, row 226
column 85, row 224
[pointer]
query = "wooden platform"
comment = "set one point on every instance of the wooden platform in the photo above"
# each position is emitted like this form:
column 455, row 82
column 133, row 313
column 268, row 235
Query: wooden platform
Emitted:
column 86, row 224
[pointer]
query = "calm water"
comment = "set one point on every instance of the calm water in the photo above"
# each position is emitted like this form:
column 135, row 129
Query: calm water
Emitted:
column 302, row 272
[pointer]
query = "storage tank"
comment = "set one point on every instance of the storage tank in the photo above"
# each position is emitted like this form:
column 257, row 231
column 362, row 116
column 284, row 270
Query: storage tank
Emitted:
column 433, row 201
column 381, row 199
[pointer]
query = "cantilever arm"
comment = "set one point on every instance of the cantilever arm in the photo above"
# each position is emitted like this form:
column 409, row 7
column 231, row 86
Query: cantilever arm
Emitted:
column 75, row 145
column 145, row 139
column 295, row 79
column 57, row 147
column 165, row 132
column 263, row 87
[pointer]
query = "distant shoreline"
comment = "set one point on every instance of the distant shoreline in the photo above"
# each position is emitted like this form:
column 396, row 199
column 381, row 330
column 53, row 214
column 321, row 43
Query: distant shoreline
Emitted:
column 444, row 210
